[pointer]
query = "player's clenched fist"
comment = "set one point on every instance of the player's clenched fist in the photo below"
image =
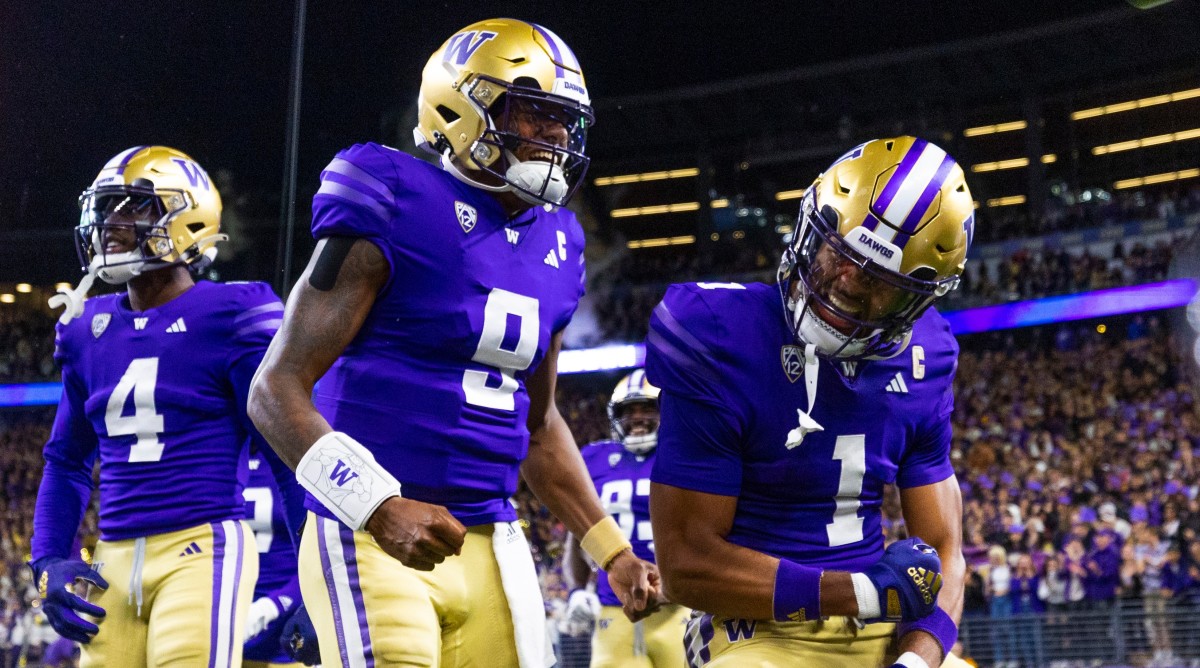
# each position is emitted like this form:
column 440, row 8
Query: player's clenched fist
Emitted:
column 636, row 583
column 420, row 535
column 906, row 582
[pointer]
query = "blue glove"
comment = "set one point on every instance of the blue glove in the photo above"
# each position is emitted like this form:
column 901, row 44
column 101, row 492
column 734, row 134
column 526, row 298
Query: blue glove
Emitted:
column 299, row 638
column 56, row 580
column 908, row 580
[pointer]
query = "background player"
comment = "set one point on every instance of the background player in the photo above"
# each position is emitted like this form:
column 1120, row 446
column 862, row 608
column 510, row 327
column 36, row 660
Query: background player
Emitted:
column 620, row 471
column 154, row 384
column 785, row 411
column 432, row 311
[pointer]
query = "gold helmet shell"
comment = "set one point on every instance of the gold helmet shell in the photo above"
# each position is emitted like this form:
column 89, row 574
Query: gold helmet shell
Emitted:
column 899, row 209
column 181, row 206
column 472, row 80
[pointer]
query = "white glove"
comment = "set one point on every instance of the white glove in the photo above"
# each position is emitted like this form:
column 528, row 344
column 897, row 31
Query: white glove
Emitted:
column 583, row 607
column 262, row 613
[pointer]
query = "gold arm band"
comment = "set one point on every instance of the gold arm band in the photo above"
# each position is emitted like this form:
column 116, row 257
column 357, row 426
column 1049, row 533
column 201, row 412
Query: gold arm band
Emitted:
column 604, row 541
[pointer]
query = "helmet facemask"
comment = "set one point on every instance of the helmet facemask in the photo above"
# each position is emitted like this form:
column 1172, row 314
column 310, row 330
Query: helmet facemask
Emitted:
column 137, row 209
column 846, row 295
column 550, row 173
column 636, row 430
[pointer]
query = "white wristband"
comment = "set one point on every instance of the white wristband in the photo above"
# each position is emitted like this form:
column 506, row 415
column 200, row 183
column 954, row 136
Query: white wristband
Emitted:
column 911, row 660
column 866, row 595
column 344, row 476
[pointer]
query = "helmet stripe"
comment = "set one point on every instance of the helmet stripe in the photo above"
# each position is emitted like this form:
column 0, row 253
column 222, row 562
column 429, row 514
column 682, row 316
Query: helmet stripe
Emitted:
column 924, row 202
column 553, row 42
column 893, row 185
column 915, row 182
column 122, row 159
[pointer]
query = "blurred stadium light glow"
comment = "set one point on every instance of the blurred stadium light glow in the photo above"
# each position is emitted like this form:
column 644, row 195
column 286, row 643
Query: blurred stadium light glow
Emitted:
column 1114, row 301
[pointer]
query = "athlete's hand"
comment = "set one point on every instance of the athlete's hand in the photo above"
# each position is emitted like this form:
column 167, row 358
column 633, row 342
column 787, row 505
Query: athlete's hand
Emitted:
column 299, row 639
column 420, row 535
column 636, row 583
column 908, row 579
column 56, row 584
column 583, row 607
column 262, row 612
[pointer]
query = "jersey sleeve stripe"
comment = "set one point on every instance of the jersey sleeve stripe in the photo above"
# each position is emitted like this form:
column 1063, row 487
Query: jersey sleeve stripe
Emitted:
column 273, row 324
column 335, row 189
column 273, row 307
column 673, row 327
column 350, row 171
column 668, row 349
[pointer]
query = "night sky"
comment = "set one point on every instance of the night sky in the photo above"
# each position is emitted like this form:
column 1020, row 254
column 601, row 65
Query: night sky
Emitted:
column 81, row 81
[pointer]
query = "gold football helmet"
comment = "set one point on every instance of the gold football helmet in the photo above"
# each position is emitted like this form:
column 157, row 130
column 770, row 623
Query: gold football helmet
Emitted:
column 882, row 234
column 481, row 83
column 634, row 389
column 168, row 200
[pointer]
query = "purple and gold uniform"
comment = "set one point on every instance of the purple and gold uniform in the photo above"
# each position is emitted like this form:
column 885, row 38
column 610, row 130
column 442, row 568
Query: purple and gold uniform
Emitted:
column 159, row 396
column 622, row 481
column 732, row 381
column 434, row 386
column 277, row 578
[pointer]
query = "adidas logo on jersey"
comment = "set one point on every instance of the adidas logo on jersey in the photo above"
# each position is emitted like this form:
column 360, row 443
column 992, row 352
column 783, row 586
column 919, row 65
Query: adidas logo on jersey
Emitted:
column 897, row 385
column 177, row 327
column 140, row 323
column 552, row 259
column 191, row 549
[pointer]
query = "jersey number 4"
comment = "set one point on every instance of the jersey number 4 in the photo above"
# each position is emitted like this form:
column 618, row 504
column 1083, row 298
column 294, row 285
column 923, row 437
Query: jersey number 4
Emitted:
column 145, row 423
column 502, row 306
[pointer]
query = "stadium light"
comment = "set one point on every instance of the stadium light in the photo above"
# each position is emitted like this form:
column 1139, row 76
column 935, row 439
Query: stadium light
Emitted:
column 1146, row 141
column 1006, row 201
column 790, row 194
column 1014, row 163
column 655, row 209
column 24, row 288
column 62, row 286
column 606, row 358
column 1156, row 178
column 7, row 298
column 661, row 241
column 993, row 129
column 719, row 203
column 1135, row 104
column 647, row 176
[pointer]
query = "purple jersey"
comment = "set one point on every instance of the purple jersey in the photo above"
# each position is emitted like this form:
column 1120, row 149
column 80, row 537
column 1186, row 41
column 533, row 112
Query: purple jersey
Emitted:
column 265, row 512
column 622, row 480
column 434, row 382
column 732, row 382
column 160, row 397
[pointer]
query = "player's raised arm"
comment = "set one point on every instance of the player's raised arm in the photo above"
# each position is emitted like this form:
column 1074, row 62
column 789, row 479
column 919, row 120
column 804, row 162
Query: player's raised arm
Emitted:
column 555, row 472
column 934, row 512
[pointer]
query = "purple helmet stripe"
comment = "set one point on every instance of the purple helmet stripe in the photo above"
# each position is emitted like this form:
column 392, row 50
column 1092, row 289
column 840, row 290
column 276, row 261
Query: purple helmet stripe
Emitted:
column 870, row 222
column 128, row 156
column 893, row 185
column 926, row 198
column 558, row 69
column 349, row 555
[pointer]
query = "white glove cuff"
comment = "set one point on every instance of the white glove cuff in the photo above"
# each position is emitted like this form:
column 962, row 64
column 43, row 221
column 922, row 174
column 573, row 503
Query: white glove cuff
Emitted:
column 866, row 595
column 911, row 660
column 344, row 476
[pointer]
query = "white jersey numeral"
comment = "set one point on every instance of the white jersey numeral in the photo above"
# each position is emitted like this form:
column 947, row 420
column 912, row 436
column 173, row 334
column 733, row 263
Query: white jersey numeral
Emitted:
column 260, row 522
column 617, row 498
column 847, row 526
column 500, row 305
column 145, row 423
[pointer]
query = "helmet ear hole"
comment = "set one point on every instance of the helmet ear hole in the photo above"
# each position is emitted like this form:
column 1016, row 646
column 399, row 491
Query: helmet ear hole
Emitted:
column 924, row 273
column 195, row 227
column 527, row 82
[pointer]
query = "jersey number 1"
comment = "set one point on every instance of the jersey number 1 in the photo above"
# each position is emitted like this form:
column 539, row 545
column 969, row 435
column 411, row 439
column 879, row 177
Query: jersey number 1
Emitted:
column 145, row 423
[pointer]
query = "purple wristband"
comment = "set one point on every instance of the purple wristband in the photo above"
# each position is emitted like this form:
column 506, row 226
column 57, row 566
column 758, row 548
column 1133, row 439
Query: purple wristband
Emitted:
column 939, row 625
column 797, row 592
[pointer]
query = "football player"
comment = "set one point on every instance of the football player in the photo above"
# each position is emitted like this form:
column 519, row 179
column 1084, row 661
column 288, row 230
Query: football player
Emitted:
column 432, row 310
column 155, row 381
column 277, row 590
column 787, row 408
column 620, row 471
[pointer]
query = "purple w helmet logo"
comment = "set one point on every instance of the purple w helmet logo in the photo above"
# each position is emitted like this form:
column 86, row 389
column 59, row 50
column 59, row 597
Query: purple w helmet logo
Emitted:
column 464, row 45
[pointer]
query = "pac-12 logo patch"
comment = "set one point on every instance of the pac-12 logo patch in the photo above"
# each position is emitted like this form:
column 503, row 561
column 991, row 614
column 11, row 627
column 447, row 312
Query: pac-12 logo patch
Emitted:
column 792, row 358
column 614, row 458
column 100, row 323
column 467, row 216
